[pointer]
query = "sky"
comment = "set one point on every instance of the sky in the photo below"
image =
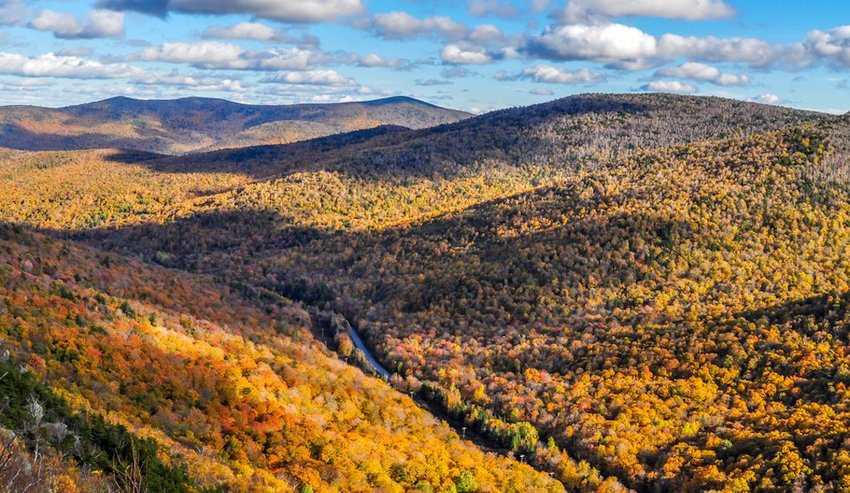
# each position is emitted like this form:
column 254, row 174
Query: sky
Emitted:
column 473, row 55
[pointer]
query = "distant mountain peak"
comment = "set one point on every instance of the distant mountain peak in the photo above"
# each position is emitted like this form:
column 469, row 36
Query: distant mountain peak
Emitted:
column 398, row 100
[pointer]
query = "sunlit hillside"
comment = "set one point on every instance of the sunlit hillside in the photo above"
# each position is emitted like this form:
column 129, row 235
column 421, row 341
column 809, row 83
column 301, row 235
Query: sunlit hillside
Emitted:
column 153, row 380
column 636, row 291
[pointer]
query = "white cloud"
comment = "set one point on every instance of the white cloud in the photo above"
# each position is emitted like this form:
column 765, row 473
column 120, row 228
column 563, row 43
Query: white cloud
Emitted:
column 628, row 47
column 72, row 67
column 98, row 24
column 401, row 25
column 503, row 75
column 217, row 55
column 278, row 59
column 191, row 81
column 768, row 98
column 555, row 75
column 486, row 33
column 703, row 72
column 454, row 54
column 753, row 52
column 202, row 53
column 313, row 78
column 280, row 10
column 254, row 31
column 299, row 93
column 582, row 10
column 41, row 68
column 673, row 86
column 608, row 43
column 832, row 45
column 373, row 60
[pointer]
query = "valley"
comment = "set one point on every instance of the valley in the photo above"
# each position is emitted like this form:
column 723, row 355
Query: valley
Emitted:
column 377, row 246
column 642, row 292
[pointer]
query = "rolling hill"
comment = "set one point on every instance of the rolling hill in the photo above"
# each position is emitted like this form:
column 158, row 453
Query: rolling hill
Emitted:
column 114, row 374
column 195, row 124
column 564, row 134
column 654, row 286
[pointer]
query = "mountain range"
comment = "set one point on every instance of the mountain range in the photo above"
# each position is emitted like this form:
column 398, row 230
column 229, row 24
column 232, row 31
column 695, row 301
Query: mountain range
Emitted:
column 194, row 124
column 639, row 292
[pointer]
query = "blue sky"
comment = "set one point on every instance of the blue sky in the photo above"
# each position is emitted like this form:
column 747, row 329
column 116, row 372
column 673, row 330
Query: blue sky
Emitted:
column 474, row 55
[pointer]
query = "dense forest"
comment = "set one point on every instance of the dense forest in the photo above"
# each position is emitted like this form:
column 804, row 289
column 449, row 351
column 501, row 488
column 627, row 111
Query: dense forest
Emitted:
column 140, row 375
column 637, row 291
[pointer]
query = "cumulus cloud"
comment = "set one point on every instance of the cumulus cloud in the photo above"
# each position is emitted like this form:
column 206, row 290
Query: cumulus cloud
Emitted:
column 218, row 55
column 38, row 71
column 753, row 52
column 486, row 33
column 705, row 73
column 401, row 25
column 555, row 75
column 455, row 54
column 673, row 86
column 229, row 56
column 541, row 91
column 285, row 11
column 202, row 53
column 191, row 82
column 503, row 75
column 583, row 10
column 255, row 31
column 97, row 24
column 373, row 60
column 628, row 47
column 313, row 78
column 71, row 67
column 768, row 98
column 832, row 45
column 609, row 43
column 297, row 93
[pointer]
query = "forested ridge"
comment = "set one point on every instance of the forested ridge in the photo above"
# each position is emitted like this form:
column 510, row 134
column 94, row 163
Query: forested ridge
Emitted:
column 197, row 124
column 637, row 290
column 234, row 395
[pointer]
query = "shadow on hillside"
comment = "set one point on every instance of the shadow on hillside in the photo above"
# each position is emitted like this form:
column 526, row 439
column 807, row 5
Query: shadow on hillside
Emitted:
column 797, row 315
column 15, row 137
column 506, row 137
column 270, row 160
column 249, row 243
column 209, row 242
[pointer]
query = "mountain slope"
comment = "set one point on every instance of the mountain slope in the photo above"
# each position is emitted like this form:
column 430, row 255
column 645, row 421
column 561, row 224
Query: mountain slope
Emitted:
column 642, row 278
column 622, row 312
column 564, row 134
column 194, row 124
column 233, row 391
